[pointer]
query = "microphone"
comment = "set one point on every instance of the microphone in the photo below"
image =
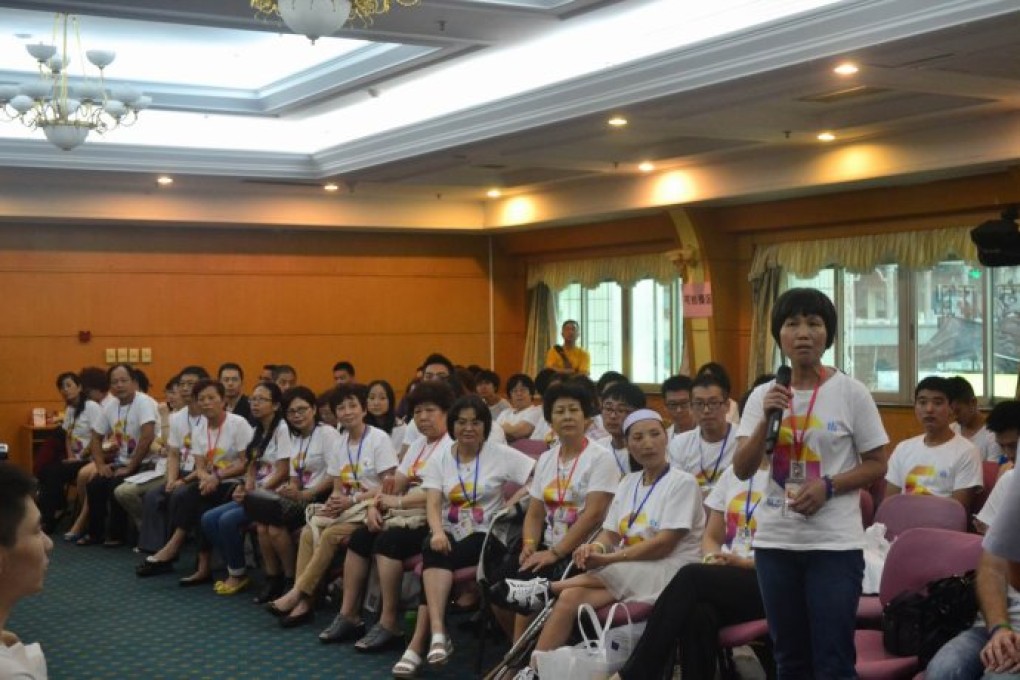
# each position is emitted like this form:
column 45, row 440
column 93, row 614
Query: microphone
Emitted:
column 775, row 416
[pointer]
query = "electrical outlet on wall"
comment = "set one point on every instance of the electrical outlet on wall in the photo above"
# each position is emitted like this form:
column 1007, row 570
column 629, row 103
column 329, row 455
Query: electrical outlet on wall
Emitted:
column 133, row 355
column 111, row 355
column 122, row 354
column 146, row 355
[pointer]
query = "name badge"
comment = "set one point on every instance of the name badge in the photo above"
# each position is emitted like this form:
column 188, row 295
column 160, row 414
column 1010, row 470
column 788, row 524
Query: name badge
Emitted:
column 741, row 545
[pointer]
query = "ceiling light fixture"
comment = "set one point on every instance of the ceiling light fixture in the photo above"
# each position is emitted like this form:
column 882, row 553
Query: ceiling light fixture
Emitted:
column 826, row 137
column 66, row 112
column 331, row 187
column 846, row 69
column 493, row 193
column 617, row 121
column 164, row 181
column 647, row 166
column 316, row 18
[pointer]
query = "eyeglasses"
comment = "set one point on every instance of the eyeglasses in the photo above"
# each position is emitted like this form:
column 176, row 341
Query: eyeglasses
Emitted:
column 710, row 405
column 622, row 411
column 678, row 405
column 298, row 411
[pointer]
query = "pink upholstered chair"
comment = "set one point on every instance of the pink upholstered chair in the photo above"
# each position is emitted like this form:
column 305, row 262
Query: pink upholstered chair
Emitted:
column 755, row 633
column 867, row 508
column 990, row 473
column 908, row 511
column 917, row 557
column 531, row 447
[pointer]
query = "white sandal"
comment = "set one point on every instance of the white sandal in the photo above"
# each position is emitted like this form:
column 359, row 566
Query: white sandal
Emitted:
column 440, row 649
column 408, row 666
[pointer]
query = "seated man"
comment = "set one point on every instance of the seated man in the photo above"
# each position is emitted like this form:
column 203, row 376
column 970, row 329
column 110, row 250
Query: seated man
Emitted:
column 969, row 421
column 487, row 387
column 991, row 649
column 707, row 450
column 618, row 401
column 939, row 462
column 1004, row 424
column 676, row 395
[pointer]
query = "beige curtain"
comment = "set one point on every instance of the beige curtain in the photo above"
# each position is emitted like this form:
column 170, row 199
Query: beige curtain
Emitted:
column 626, row 271
column 764, row 291
column 541, row 332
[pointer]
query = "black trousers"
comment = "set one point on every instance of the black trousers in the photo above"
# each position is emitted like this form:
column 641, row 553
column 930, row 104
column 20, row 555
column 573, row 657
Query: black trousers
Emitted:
column 701, row 599
column 102, row 507
column 187, row 504
column 53, row 480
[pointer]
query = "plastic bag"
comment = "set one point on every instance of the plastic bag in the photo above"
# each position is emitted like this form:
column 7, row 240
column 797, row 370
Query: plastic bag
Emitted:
column 876, row 547
column 595, row 658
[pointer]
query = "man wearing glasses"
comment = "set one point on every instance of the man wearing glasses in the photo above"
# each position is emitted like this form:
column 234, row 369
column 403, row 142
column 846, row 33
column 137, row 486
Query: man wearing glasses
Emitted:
column 618, row 401
column 676, row 393
column 707, row 450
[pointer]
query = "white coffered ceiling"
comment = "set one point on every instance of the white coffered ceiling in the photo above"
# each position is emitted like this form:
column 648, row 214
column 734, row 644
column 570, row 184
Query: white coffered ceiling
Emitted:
column 453, row 97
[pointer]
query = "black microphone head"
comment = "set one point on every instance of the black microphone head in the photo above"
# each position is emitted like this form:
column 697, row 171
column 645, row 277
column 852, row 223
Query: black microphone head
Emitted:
column 784, row 375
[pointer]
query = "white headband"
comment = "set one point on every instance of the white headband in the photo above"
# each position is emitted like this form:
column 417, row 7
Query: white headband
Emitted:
column 638, row 416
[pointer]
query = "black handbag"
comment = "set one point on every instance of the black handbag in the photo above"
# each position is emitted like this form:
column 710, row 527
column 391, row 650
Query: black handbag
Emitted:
column 918, row 623
column 264, row 507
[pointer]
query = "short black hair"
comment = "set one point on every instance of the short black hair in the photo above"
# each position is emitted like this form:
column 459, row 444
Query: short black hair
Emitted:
column 269, row 367
column 68, row 375
column 1004, row 416
column 17, row 487
column 206, row 383
column 430, row 392
column 545, row 378
column 805, row 302
column 344, row 366
column 487, row 376
column 172, row 383
column 677, row 383
column 142, row 379
column 324, row 398
column 570, row 322
column 717, row 371
column 196, row 371
column 609, row 377
column 230, row 366
column 436, row 358
column 627, row 392
column 961, row 388
column 935, row 383
column 127, row 367
column 520, row 379
column 474, row 402
column 705, row 380
column 345, row 391
column 280, row 369
column 94, row 378
column 587, row 384
column 567, row 389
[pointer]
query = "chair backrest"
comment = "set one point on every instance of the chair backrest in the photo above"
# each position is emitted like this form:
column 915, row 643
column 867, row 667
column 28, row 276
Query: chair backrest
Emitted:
column 990, row 474
column 867, row 508
column 531, row 447
column 919, row 556
column 909, row 511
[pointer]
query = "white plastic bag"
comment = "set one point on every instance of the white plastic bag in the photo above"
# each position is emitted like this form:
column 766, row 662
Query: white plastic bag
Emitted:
column 595, row 658
column 876, row 547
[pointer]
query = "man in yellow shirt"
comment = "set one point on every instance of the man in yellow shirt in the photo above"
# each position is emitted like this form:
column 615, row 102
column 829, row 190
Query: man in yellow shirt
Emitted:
column 568, row 358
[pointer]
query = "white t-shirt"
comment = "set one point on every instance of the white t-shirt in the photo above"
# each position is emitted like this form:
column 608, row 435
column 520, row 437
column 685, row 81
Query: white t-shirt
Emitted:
column 984, row 440
column 674, row 502
column 564, row 488
column 411, row 432
column 124, row 422
column 844, row 423
column 419, row 454
column 730, row 497
column 543, row 432
column 689, row 452
column 935, row 470
column 222, row 445
column 622, row 456
column 280, row 447
column 181, row 436
column 80, row 426
column 310, row 455
column 531, row 414
column 397, row 436
column 990, row 510
column 473, row 492
column 22, row 662
column 359, row 466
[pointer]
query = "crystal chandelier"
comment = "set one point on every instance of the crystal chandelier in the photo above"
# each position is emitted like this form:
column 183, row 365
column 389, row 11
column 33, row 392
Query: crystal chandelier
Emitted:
column 316, row 18
column 67, row 112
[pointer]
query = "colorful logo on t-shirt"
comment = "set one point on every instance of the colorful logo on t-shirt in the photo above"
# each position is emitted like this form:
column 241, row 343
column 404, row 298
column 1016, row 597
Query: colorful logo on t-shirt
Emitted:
column 565, row 512
column 460, row 500
column 809, row 459
column 920, row 479
column 349, row 476
column 125, row 443
column 642, row 528
column 736, row 514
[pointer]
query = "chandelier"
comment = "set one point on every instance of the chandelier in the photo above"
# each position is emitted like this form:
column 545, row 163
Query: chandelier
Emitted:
column 67, row 112
column 316, row 18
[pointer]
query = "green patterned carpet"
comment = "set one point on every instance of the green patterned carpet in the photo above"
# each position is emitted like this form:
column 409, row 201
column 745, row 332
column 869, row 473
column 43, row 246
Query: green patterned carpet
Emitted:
column 96, row 619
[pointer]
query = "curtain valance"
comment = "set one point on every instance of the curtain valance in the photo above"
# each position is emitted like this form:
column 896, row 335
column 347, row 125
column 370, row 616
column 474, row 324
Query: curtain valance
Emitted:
column 626, row 270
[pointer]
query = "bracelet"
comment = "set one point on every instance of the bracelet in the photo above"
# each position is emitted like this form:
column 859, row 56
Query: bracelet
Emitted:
column 999, row 626
column 830, row 491
column 530, row 541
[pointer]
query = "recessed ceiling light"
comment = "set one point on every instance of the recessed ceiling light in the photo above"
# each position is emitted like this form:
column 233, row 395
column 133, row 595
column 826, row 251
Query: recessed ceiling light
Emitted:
column 826, row 137
column 493, row 193
column 847, row 68
column 332, row 186
column 647, row 166
column 164, row 181
column 617, row 121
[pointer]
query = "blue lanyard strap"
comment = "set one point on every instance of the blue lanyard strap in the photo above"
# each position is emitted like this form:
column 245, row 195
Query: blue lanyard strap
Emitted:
column 478, row 464
column 718, row 459
column 748, row 508
column 355, row 464
column 637, row 512
column 617, row 459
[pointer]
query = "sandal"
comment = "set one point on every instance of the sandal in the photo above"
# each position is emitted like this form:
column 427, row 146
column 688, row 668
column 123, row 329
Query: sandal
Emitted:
column 379, row 639
column 440, row 649
column 408, row 666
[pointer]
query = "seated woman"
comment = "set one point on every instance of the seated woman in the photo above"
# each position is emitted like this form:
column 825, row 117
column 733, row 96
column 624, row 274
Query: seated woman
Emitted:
column 96, row 386
column 267, row 465
column 571, row 491
column 702, row 598
column 519, row 421
column 363, row 457
column 217, row 449
column 382, row 412
column 653, row 528
column 429, row 403
column 79, row 418
column 464, row 489
column 24, row 550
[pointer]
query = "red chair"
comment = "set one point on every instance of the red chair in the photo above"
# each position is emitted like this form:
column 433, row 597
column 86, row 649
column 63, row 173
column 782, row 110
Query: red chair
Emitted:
column 754, row 633
column 917, row 557
column 910, row 511
column 867, row 508
column 990, row 473
column 531, row 447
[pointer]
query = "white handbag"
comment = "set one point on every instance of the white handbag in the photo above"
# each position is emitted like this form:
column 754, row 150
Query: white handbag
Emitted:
column 595, row 658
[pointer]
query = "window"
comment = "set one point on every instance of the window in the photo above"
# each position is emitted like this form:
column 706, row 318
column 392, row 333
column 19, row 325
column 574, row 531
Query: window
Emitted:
column 648, row 347
column 945, row 332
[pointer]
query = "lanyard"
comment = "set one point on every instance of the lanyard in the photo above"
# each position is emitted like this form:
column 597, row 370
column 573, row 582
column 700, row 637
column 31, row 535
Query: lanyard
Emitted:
column 617, row 458
column 211, row 450
column 478, row 464
column 299, row 465
column 798, row 442
column 718, row 459
column 636, row 512
column 356, row 464
column 414, row 465
column 121, row 441
column 748, row 508
column 561, row 493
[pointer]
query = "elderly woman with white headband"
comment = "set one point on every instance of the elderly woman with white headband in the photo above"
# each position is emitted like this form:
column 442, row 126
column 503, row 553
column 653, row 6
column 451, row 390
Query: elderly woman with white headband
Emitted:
column 653, row 528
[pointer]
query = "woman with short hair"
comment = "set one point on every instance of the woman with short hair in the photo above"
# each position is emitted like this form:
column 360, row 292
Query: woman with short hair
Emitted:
column 520, row 420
